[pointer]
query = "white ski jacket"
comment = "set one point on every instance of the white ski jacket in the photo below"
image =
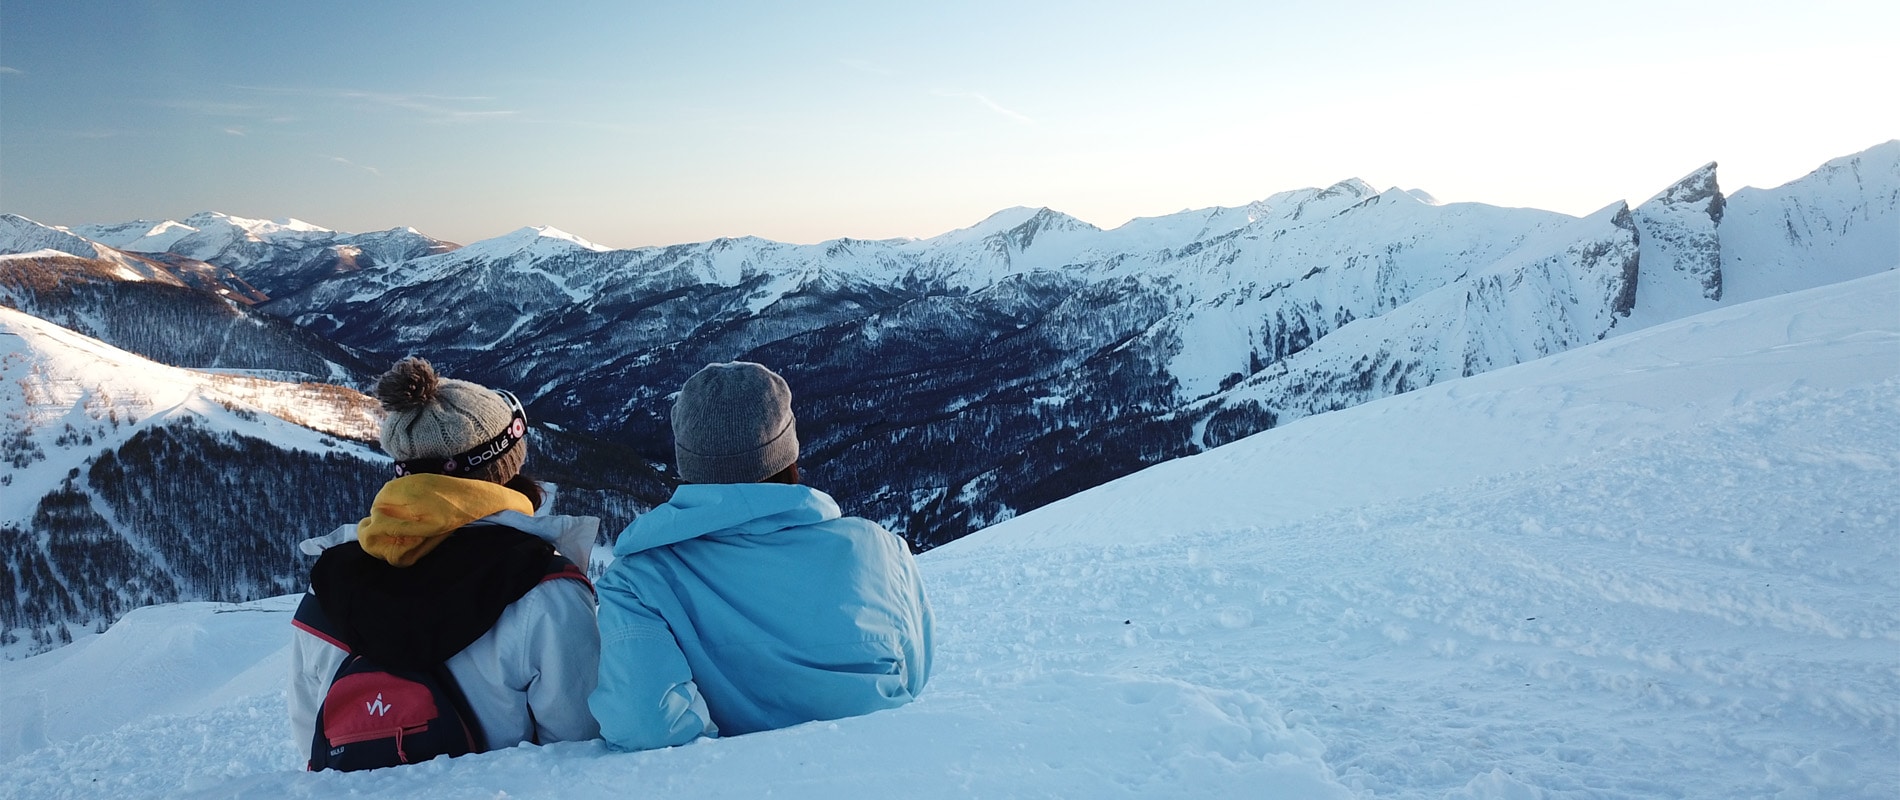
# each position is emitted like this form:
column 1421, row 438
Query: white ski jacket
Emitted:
column 526, row 680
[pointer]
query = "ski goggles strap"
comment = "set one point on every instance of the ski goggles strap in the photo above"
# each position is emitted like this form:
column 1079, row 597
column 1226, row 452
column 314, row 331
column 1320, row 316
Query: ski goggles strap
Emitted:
column 467, row 462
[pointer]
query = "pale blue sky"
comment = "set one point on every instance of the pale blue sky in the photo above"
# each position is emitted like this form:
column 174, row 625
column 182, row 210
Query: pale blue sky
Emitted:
column 633, row 123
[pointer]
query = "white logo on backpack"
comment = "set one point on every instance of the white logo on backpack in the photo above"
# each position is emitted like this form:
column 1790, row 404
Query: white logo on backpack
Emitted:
column 379, row 707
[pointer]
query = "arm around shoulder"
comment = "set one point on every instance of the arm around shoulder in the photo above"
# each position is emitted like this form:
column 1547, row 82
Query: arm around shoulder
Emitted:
column 564, row 646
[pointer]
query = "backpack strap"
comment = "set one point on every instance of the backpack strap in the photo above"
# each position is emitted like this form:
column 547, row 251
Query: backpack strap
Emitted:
column 560, row 567
column 471, row 725
column 311, row 620
column 414, row 616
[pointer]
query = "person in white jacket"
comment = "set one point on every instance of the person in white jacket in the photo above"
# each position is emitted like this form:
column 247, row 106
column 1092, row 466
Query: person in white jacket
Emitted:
column 452, row 567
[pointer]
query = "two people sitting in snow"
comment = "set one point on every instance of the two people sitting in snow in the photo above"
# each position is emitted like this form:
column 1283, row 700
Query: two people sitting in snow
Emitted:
column 455, row 619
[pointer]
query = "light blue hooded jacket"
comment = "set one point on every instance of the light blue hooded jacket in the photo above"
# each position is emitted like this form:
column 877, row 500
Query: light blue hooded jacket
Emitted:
column 737, row 608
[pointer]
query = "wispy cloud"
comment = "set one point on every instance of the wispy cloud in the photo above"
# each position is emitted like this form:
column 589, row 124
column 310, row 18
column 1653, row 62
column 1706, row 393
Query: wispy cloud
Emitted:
column 348, row 163
column 988, row 103
column 236, row 119
column 432, row 107
column 435, row 107
column 211, row 108
column 278, row 105
column 10, row 71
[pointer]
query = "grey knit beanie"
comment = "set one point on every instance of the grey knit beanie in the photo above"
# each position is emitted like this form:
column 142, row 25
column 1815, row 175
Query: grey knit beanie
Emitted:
column 733, row 423
column 435, row 417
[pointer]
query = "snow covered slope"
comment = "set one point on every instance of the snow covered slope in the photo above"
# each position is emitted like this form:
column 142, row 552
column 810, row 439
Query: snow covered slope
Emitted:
column 1663, row 565
column 58, row 385
column 116, row 474
column 1839, row 222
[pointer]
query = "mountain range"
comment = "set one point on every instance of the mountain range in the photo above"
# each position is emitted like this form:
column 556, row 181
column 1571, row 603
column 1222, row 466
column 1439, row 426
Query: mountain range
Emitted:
column 952, row 382
column 273, row 255
column 946, row 384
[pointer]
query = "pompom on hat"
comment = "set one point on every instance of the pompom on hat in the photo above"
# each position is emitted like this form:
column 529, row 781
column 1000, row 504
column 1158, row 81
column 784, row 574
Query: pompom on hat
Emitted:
column 733, row 423
column 451, row 427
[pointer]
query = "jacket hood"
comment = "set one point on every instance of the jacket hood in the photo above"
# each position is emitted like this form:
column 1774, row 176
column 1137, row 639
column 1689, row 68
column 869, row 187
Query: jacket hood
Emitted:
column 572, row 536
column 726, row 509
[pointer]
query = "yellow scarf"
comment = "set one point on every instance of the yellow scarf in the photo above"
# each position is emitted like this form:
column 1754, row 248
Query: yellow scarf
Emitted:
column 414, row 513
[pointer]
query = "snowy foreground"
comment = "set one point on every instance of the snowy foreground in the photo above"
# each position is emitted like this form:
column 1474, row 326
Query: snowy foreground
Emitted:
column 1665, row 565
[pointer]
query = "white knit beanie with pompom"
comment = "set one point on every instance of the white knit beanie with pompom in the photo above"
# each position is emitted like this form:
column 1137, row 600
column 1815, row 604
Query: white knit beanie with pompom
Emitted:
column 435, row 417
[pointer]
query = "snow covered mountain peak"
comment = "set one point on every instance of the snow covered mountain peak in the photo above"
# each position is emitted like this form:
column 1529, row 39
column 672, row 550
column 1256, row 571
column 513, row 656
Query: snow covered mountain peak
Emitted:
column 1045, row 221
column 1005, row 219
column 1397, row 195
column 294, row 224
column 551, row 232
column 277, row 257
column 1350, row 187
column 1005, row 243
column 533, row 240
column 257, row 228
column 1696, row 187
column 999, row 222
column 21, row 235
column 208, row 236
column 139, row 235
column 1307, row 205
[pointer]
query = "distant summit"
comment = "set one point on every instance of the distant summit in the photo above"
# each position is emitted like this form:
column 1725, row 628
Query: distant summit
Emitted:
column 534, row 240
column 279, row 257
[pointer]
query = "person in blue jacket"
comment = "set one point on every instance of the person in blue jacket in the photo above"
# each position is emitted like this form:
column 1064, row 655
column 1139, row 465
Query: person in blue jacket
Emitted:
column 748, row 602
